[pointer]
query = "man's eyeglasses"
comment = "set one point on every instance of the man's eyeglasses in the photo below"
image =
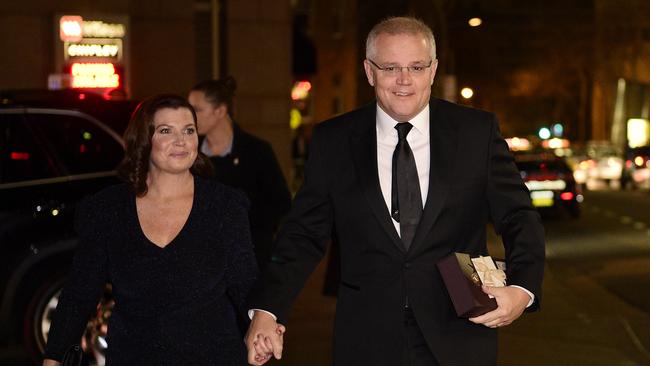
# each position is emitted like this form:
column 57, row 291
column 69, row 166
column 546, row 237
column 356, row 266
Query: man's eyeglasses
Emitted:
column 396, row 70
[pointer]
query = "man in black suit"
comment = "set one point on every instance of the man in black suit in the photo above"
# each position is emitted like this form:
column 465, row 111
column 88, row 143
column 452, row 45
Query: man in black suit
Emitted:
column 406, row 181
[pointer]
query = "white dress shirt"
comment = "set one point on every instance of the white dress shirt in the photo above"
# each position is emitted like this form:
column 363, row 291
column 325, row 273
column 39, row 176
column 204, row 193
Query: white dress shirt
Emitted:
column 418, row 139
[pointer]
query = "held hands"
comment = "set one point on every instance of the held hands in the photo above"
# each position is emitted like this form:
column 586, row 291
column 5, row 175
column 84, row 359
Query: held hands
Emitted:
column 264, row 339
column 511, row 303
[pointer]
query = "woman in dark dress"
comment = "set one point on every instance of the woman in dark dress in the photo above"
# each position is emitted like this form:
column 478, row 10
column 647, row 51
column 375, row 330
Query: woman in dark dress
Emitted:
column 175, row 246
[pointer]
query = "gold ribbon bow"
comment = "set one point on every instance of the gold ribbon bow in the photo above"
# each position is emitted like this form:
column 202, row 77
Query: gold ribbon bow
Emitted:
column 489, row 274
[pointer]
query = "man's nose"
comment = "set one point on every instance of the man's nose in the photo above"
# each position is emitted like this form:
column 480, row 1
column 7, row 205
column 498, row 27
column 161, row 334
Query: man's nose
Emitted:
column 404, row 76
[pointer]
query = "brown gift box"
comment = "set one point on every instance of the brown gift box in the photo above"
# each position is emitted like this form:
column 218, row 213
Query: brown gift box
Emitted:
column 464, row 286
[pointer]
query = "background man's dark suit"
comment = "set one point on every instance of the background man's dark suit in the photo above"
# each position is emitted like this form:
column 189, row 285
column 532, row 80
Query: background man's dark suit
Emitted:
column 472, row 180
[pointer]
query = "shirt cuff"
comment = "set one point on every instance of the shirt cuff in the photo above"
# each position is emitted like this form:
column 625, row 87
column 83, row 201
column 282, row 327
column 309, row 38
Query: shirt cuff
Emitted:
column 251, row 312
column 532, row 297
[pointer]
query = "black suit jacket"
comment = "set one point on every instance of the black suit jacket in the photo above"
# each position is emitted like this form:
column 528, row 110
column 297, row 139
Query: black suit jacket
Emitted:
column 472, row 180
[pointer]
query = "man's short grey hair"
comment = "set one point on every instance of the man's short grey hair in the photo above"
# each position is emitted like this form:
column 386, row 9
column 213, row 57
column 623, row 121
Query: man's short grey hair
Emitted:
column 399, row 25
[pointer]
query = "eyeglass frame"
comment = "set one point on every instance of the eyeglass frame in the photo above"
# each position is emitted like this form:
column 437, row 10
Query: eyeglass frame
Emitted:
column 409, row 68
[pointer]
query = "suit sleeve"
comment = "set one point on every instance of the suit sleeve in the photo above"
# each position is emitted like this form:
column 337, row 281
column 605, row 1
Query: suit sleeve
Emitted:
column 302, row 241
column 514, row 218
column 275, row 196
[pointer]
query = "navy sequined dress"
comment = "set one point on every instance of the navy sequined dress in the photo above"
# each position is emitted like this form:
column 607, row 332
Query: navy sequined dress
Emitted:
column 178, row 305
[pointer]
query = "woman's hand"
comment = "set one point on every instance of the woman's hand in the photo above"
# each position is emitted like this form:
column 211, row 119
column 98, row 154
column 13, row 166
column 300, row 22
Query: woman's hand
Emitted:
column 48, row 362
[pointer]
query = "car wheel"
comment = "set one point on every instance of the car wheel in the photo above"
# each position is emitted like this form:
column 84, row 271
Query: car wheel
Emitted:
column 39, row 316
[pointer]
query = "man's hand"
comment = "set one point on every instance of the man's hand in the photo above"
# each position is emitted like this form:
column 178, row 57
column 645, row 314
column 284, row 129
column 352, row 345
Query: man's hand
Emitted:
column 511, row 303
column 264, row 339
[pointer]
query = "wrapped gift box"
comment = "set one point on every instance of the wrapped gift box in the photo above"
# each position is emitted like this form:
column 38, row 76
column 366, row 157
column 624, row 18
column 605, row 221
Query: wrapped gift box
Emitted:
column 464, row 284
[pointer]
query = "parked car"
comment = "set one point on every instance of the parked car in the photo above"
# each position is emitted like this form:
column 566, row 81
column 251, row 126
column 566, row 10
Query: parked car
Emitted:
column 50, row 158
column 636, row 172
column 550, row 182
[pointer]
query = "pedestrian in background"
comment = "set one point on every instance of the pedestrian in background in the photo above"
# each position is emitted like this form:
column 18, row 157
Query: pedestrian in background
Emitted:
column 242, row 161
column 174, row 245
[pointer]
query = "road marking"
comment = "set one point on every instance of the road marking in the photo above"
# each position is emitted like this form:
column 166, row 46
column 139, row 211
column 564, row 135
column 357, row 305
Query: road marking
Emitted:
column 634, row 338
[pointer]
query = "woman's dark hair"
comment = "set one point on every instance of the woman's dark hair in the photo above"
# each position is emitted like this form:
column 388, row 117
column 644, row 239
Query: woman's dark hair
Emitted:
column 137, row 139
column 217, row 92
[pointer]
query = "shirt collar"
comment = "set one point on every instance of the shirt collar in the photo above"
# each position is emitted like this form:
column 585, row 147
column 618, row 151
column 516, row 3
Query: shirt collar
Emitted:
column 386, row 124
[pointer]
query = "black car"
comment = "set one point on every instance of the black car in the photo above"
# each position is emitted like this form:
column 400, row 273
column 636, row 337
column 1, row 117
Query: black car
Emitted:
column 550, row 182
column 50, row 158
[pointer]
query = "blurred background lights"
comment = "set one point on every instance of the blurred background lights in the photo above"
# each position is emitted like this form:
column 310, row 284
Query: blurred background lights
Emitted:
column 544, row 133
column 638, row 132
column 475, row 22
column 300, row 90
column 467, row 93
column 558, row 130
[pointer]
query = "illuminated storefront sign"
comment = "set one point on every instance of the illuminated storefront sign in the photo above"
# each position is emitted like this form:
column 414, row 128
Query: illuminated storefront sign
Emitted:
column 93, row 51
column 94, row 75
column 111, row 48
column 73, row 28
column 70, row 28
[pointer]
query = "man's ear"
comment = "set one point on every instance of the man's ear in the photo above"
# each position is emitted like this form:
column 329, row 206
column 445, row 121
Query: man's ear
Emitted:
column 369, row 72
column 434, row 67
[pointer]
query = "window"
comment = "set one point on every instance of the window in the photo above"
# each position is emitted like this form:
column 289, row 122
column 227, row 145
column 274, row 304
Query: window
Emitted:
column 23, row 157
column 81, row 145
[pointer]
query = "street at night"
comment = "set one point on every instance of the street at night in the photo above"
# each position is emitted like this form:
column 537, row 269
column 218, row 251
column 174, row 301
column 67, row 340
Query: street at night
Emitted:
column 595, row 307
column 305, row 107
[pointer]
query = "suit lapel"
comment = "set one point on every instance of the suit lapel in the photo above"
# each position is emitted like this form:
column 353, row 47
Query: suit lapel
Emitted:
column 443, row 144
column 364, row 154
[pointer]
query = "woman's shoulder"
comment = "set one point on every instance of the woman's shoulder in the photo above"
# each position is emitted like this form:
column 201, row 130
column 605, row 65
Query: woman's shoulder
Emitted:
column 109, row 196
column 104, row 205
column 219, row 194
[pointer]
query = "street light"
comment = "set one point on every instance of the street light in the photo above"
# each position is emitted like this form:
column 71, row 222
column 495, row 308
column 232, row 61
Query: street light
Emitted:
column 475, row 22
column 467, row 93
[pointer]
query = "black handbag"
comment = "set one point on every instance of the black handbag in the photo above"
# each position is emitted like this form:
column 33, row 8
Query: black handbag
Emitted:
column 74, row 356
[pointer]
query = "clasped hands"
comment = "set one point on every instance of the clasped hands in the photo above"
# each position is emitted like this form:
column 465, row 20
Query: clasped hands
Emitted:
column 264, row 339
column 511, row 303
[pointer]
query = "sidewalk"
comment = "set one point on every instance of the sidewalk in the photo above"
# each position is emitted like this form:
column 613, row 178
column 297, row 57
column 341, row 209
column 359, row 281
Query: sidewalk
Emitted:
column 580, row 324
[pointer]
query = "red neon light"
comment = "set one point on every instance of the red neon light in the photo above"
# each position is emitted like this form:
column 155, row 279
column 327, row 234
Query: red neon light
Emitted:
column 300, row 90
column 19, row 155
column 566, row 196
column 94, row 75
column 71, row 28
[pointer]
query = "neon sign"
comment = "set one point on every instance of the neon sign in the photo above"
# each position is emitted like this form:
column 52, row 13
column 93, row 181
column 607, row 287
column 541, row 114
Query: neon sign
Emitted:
column 70, row 28
column 94, row 75
column 91, row 50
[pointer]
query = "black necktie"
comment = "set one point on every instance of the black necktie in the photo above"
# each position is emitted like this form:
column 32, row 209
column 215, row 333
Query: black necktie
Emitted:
column 406, row 202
